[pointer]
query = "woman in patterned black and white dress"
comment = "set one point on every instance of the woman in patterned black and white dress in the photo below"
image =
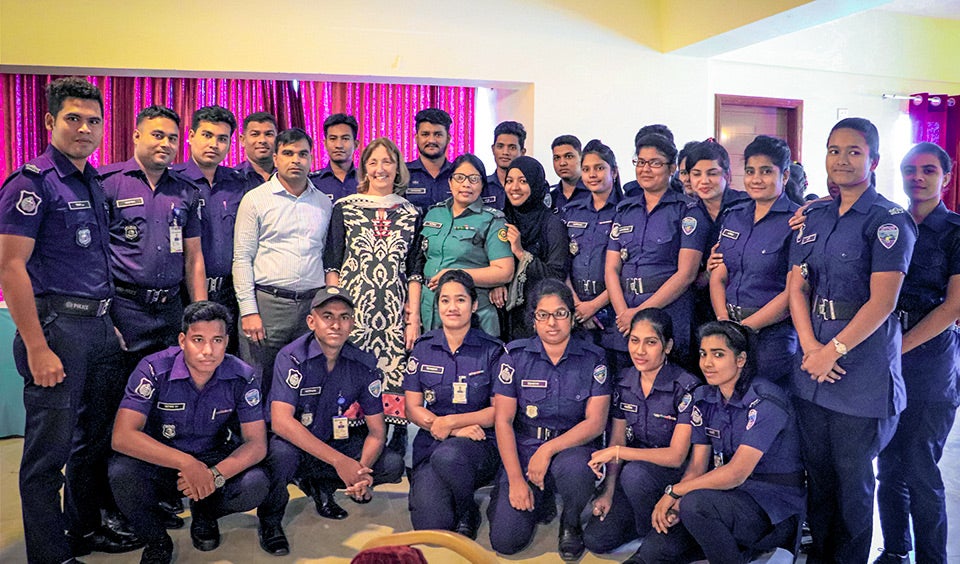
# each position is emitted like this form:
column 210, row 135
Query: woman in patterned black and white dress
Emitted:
column 368, row 254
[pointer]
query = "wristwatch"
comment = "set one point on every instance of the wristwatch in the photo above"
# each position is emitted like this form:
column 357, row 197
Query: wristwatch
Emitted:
column 840, row 347
column 669, row 491
column 218, row 479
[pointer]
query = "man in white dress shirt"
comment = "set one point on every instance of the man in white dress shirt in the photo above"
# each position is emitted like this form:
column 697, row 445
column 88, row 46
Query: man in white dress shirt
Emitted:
column 280, row 232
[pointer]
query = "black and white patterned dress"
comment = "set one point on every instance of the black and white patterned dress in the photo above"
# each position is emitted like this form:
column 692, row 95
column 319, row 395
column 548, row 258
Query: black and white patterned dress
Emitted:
column 369, row 244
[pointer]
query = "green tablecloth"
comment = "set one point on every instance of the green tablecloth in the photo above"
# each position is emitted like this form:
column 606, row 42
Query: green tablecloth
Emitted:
column 12, row 414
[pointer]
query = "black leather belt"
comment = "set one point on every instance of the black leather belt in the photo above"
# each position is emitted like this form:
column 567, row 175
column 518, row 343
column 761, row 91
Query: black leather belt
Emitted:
column 791, row 479
column 146, row 296
column 70, row 305
column 738, row 314
column 832, row 310
column 590, row 287
column 287, row 294
column 540, row 433
column 646, row 285
column 215, row 285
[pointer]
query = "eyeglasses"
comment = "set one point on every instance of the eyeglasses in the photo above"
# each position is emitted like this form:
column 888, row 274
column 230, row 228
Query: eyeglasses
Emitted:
column 460, row 178
column 541, row 315
column 640, row 163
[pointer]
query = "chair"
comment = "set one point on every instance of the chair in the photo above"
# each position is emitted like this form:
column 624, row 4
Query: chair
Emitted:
column 459, row 544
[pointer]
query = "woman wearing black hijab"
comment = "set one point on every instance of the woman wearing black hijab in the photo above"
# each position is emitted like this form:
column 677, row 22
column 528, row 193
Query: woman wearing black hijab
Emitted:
column 538, row 240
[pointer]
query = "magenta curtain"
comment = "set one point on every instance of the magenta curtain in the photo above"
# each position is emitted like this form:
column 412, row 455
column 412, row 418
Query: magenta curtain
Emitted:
column 936, row 119
column 381, row 109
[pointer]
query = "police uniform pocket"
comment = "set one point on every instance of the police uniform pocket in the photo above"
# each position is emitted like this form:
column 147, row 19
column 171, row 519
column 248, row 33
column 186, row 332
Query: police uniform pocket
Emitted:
column 81, row 225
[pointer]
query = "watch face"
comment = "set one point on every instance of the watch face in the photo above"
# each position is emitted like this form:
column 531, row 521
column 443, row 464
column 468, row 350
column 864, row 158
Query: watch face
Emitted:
column 219, row 481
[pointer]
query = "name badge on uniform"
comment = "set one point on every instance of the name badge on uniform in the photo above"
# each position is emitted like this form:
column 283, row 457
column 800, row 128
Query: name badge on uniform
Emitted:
column 460, row 392
column 532, row 411
column 489, row 199
column 533, row 383
column 431, row 369
column 341, row 427
column 578, row 224
column 715, row 433
column 176, row 239
column 413, row 190
column 624, row 229
column 628, row 407
column 167, row 406
column 79, row 205
column 129, row 202
column 434, row 224
column 730, row 234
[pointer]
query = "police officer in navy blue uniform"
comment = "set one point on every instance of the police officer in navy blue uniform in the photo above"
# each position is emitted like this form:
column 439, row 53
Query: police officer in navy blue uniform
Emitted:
column 848, row 263
column 911, row 488
column 632, row 188
column 191, row 420
column 317, row 378
column 552, row 400
column 448, row 385
column 339, row 177
column 509, row 138
column 655, row 247
column 749, row 284
column 743, row 489
column 154, row 236
column 430, row 171
column 221, row 189
column 55, row 275
column 567, row 151
column 588, row 222
column 259, row 141
column 649, row 438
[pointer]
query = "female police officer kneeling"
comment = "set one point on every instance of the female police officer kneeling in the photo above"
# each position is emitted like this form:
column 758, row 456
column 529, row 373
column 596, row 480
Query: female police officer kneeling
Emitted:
column 552, row 398
column 447, row 388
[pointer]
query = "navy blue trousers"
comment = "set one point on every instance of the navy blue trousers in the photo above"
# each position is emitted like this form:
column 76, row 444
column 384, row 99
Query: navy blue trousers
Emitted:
column 838, row 452
column 568, row 475
column 139, row 487
column 910, row 485
column 443, row 483
column 68, row 424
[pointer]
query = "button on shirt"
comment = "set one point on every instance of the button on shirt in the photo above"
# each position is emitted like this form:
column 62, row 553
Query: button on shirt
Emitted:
column 63, row 210
column 183, row 417
column 761, row 418
column 548, row 395
column 493, row 195
column 840, row 255
column 279, row 240
column 756, row 254
column 141, row 221
column 300, row 378
column 651, row 420
column 433, row 370
column 327, row 182
column 218, row 212
column 424, row 190
column 931, row 371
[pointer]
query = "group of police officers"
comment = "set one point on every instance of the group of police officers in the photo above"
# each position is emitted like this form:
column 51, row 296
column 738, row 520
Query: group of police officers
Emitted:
column 92, row 267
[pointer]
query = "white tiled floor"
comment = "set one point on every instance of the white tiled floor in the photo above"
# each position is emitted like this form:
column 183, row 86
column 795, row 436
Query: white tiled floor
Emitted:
column 317, row 540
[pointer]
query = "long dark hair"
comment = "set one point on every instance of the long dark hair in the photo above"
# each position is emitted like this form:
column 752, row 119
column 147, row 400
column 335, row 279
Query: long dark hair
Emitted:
column 740, row 339
column 465, row 280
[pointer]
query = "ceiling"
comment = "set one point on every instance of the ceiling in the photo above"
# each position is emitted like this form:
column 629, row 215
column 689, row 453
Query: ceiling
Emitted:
column 944, row 9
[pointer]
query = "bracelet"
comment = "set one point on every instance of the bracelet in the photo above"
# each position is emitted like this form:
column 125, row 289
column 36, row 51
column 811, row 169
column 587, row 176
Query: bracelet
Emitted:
column 618, row 454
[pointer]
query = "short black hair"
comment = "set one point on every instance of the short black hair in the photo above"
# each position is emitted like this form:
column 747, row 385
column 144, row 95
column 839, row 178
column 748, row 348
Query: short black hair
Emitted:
column 259, row 117
column 657, row 128
column 214, row 114
column 662, row 144
column 709, row 150
column 549, row 287
column 205, row 311
column 434, row 116
column 511, row 128
column 341, row 119
column 773, row 148
column 292, row 135
column 71, row 87
column 158, row 111
column 571, row 140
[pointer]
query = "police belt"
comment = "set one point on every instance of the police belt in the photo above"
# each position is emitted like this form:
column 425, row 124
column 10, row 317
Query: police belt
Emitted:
column 539, row 433
column 589, row 287
column 910, row 319
column 832, row 310
column 146, row 296
column 647, row 285
column 219, row 284
column 71, row 305
column 790, row 479
column 287, row 294
column 738, row 314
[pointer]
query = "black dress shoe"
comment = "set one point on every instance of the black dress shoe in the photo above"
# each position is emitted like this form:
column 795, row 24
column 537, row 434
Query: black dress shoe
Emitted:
column 171, row 521
column 103, row 540
column 570, row 546
column 159, row 551
column 173, row 505
column 468, row 524
column 116, row 522
column 204, row 532
column 327, row 507
column 273, row 541
column 892, row 558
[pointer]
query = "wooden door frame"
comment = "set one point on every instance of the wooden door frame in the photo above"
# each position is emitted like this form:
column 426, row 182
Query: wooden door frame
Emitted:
column 794, row 116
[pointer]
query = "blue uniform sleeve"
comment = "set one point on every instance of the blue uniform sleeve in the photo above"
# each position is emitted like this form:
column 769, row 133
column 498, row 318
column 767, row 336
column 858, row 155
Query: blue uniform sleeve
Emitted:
column 506, row 382
column 892, row 244
column 369, row 398
column 683, row 406
column 763, row 425
column 191, row 226
column 601, row 385
column 247, row 390
column 695, row 230
column 698, row 436
column 286, row 380
column 140, row 393
column 23, row 203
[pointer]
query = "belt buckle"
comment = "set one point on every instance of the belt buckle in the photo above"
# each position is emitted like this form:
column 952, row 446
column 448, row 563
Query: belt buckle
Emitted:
column 735, row 312
column 639, row 285
column 822, row 308
column 103, row 307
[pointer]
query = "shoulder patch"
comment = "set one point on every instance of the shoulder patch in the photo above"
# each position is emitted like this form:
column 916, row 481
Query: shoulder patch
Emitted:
column 502, row 234
column 685, row 402
column 696, row 418
column 145, row 388
column 751, row 418
column 412, row 365
column 375, row 388
column 600, row 373
column 252, row 397
column 29, row 202
column 888, row 234
column 689, row 225
column 506, row 373
column 293, row 378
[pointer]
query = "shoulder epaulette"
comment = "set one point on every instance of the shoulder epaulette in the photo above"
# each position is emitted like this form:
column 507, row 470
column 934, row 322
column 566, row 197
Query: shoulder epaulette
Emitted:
column 494, row 212
column 517, row 345
column 160, row 365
